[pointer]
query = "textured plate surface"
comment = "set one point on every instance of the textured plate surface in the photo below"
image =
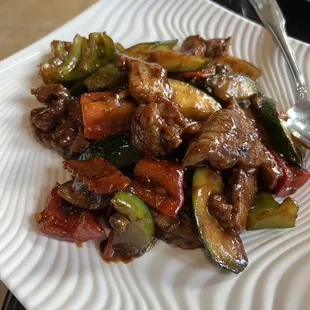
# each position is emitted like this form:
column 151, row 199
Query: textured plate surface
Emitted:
column 48, row 274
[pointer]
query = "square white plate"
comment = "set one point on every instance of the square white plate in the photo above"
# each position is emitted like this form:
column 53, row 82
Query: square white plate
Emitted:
column 48, row 274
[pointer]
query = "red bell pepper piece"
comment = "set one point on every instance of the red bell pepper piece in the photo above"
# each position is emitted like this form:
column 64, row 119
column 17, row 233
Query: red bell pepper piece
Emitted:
column 105, row 114
column 67, row 222
column 293, row 178
column 98, row 175
column 159, row 183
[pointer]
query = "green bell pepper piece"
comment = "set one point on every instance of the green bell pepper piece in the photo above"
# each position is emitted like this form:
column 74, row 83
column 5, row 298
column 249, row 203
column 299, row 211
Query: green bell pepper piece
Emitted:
column 108, row 76
column 73, row 58
column 138, row 235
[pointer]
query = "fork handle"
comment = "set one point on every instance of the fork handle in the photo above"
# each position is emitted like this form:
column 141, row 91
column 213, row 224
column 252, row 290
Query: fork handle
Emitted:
column 271, row 16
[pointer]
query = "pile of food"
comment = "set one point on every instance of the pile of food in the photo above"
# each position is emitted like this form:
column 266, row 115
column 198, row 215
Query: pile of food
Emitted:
column 177, row 144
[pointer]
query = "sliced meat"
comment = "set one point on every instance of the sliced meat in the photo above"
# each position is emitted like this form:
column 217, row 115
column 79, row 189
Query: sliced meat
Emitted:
column 220, row 209
column 247, row 114
column 217, row 47
column 189, row 133
column 192, row 129
column 196, row 45
column 66, row 138
column 156, row 128
column 79, row 144
column 226, row 138
column 57, row 98
column 242, row 190
column 65, row 132
column 184, row 236
column 148, row 82
column 59, row 125
column 270, row 170
column 166, row 223
column 49, row 93
column 75, row 111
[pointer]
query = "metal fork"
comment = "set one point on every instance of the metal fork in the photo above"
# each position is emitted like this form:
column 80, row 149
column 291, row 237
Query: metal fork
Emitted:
column 271, row 16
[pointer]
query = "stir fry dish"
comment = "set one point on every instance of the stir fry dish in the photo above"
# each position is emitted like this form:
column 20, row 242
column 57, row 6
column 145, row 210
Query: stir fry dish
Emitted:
column 164, row 141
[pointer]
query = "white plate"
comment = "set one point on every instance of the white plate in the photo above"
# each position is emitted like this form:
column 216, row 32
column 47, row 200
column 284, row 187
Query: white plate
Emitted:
column 47, row 274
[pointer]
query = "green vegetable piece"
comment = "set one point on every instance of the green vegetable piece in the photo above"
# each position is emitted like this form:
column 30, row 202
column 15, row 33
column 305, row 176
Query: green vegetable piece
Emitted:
column 96, row 46
column 109, row 46
column 73, row 58
column 139, row 234
column 48, row 70
column 193, row 103
column 279, row 135
column 226, row 250
column 142, row 50
column 264, row 200
column 91, row 57
column 139, row 48
column 107, row 77
column 117, row 149
column 225, row 86
column 268, row 214
column 119, row 47
column 150, row 46
column 177, row 62
column 163, row 46
column 59, row 51
column 79, row 59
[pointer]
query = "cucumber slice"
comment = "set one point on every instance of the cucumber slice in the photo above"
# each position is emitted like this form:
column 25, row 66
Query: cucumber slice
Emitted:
column 193, row 103
column 225, row 86
column 278, row 134
column 226, row 250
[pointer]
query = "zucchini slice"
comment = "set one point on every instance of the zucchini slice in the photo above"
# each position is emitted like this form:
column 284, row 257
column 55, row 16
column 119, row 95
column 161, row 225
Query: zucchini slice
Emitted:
column 177, row 62
column 279, row 135
column 140, row 50
column 239, row 66
column 193, row 103
column 226, row 250
column 225, row 86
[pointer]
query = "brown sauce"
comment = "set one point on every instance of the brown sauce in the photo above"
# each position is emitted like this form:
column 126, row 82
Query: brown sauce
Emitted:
column 79, row 245
column 37, row 217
